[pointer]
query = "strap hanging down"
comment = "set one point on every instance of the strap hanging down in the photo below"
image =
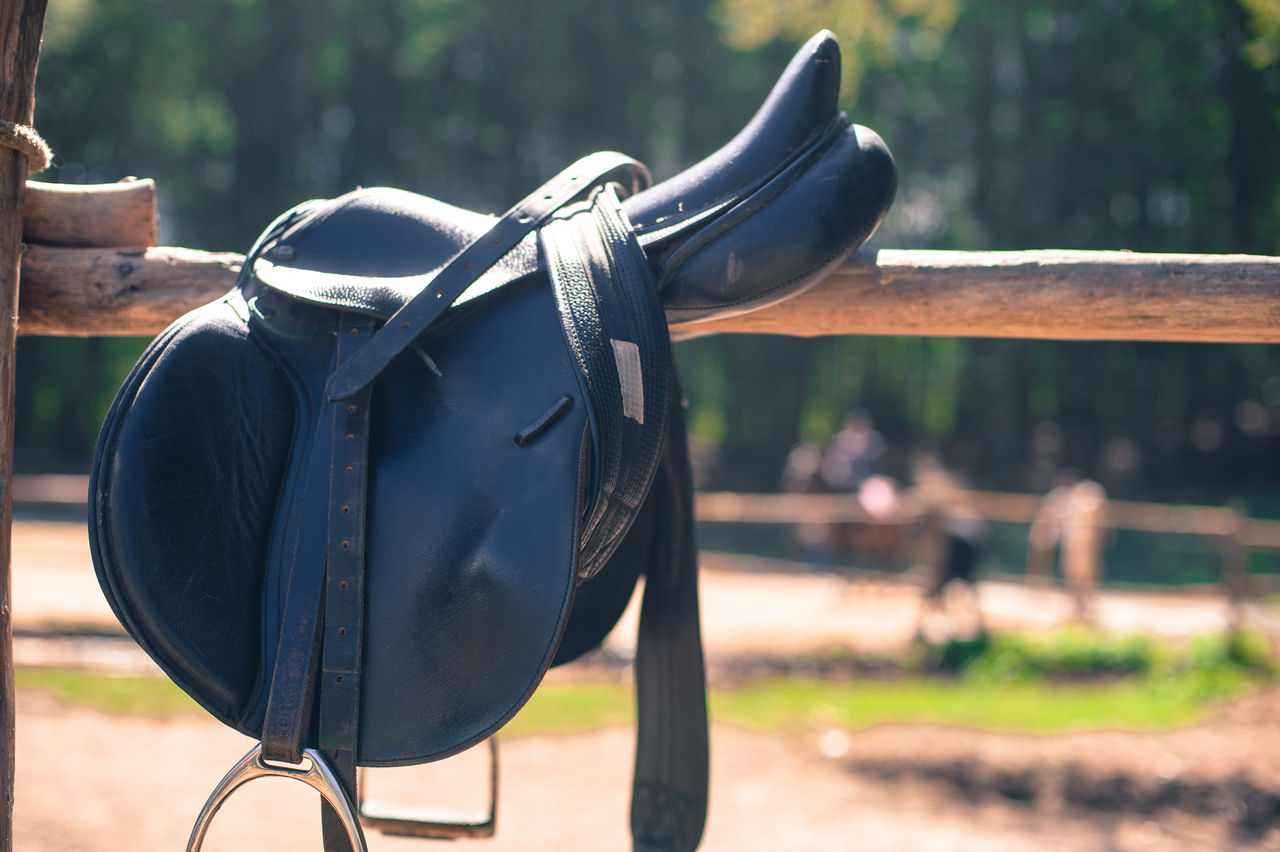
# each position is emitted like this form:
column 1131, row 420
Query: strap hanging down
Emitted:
column 341, row 650
column 669, row 794
column 607, row 300
column 404, row 326
column 329, row 641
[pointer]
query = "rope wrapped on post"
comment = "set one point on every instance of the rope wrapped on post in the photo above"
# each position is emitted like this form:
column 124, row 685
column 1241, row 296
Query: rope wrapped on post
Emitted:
column 24, row 139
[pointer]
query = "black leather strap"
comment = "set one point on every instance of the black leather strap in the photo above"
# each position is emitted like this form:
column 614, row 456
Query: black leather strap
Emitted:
column 291, row 694
column 669, row 796
column 404, row 326
column 319, row 649
column 608, row 300
column 339, row 686
column 617, row 334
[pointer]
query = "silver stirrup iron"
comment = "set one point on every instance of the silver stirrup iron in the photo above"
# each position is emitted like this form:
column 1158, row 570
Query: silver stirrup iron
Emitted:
column 318, row 776
column 387, row 818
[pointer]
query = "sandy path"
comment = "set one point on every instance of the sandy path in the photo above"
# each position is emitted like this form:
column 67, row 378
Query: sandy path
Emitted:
column 91, row 781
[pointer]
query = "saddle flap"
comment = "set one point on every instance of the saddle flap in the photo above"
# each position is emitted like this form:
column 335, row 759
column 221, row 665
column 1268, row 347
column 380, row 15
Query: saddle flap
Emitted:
column 472, row 538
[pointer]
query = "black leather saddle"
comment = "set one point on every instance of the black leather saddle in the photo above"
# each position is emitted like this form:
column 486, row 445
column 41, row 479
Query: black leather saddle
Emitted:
column 357, row 507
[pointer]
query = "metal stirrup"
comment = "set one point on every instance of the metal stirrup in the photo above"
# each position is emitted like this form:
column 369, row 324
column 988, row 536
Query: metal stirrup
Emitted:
column 318, row 776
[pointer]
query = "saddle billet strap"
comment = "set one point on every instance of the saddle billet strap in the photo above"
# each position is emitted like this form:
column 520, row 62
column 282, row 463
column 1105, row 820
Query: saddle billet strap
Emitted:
column 669, row 794
column 406, row 324
column 322, row 625
column 339, row 686
column 617, row 333
column 339, row 584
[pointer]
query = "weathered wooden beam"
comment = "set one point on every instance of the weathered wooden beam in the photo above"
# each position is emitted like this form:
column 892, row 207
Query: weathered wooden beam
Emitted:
column 1056, row 295
column 21, row 25
column 91, row 292
column 109, row 214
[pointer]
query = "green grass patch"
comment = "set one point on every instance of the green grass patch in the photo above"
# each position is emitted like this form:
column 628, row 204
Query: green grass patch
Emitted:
column 137, row 695
column 1081, row 653
column 570, row 707
column 772, row 703
column 1064, row 681
column 1039, row 707
column 1030, row 707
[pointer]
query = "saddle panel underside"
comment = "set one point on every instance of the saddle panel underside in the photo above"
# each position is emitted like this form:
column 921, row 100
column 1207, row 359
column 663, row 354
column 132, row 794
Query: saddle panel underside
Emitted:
column 472, row 539
column 183, row 493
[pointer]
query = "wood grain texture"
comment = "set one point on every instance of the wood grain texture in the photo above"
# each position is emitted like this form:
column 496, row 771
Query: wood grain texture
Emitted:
column 21, row 25
column 1056, row 295
column 1047, row 294
column 109, row 214
column 86, row 292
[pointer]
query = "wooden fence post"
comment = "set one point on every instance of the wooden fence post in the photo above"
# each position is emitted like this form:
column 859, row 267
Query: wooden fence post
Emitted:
column 21, row 25
column 1235, row 568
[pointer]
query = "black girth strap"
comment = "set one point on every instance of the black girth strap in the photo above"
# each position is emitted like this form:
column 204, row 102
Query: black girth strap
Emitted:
column 617, row 332
column 669, row 796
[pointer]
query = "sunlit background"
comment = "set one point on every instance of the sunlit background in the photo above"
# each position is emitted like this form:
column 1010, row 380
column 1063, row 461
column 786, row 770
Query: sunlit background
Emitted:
column 1146, row 125
column 1143, row 125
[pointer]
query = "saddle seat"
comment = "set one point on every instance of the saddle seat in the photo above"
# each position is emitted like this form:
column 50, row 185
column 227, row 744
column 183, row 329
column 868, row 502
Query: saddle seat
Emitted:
column 764, row 217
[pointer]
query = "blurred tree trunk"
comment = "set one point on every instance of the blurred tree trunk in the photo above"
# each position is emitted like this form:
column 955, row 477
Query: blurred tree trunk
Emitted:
column 1253, row 136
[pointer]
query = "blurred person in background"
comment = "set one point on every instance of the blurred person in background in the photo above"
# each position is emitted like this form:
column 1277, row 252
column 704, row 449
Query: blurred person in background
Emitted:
column 850, row 465
column 1073, row 514
column 951, row 541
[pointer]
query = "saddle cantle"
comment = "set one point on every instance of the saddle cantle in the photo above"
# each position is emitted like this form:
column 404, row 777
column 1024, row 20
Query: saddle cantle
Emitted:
column 357, row 507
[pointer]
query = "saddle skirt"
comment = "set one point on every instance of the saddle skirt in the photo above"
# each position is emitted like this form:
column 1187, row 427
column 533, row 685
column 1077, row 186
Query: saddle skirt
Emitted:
column 358, row 507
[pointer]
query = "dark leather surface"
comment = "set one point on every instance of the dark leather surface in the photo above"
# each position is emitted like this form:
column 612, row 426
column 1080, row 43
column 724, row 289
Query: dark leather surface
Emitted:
column 451, row 502
column 175, row 533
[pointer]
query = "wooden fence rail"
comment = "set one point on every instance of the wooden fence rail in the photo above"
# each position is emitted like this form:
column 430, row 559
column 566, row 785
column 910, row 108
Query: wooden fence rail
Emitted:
column 738, row 507
column 993, row 506
column 1046, row 294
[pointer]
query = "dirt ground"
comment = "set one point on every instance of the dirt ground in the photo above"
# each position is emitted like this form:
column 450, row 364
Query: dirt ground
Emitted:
column 91, row 781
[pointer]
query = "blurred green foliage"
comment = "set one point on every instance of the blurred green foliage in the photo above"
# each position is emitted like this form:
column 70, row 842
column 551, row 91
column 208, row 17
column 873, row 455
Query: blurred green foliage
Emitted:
column 1206, row 665
column 1149, row 125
